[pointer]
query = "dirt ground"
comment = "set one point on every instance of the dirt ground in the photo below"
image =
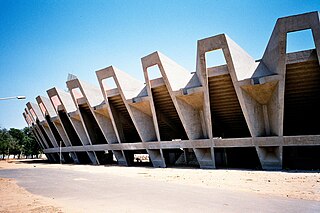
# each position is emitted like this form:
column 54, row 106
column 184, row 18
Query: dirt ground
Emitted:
column 293, row 184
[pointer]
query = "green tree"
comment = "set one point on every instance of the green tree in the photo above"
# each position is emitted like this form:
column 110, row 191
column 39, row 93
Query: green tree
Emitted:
column 30, row 145
column 17, row 141
column 17, row 145
column 4, row 142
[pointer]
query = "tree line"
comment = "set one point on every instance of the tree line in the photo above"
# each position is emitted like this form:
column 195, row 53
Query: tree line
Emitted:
column 18, row 142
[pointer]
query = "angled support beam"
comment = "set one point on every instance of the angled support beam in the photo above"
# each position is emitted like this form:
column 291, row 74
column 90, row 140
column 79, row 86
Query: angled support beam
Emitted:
column 139, row 111
column 274, row 60
column 33, row 126
column 29, row 122
column 69, row 116
column 55, row 125
column 178, row 82
column 93, row 99
column 239, row 65
column 39, row 131
column 43, row 124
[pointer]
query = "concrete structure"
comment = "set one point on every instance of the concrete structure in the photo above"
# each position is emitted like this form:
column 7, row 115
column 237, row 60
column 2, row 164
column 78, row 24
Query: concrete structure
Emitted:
column 246, row 113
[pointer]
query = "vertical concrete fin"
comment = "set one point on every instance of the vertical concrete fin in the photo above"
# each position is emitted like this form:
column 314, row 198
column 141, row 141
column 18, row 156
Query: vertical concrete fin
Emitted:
column 147, row 62
column 191, row 118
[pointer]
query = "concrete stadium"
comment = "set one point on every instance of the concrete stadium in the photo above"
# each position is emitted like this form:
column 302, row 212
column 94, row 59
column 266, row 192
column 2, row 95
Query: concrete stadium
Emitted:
column 246, row 113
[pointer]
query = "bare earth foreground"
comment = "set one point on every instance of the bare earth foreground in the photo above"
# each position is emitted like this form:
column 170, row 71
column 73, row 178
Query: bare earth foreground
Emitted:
column 297, row 185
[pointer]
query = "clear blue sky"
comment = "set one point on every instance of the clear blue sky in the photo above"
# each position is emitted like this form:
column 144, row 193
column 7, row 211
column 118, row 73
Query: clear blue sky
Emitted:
column 41, row 41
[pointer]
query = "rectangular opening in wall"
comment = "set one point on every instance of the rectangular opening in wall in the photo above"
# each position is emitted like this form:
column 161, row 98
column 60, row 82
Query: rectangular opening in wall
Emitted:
column 180, row 157
column 140, row 158
column 137, row 157
column 237, row 157
column 105, row 157
column 54, row 131
column 302, row 99
column 170, row 125
column 109, row 83
column 215, row 58
column 83, row 158
column 28, row 119
column 91, row 125
column 77, row 93
column 301, row 157
column 55, row 101
column 227, row 118
column 67, row 158
column 33, row 114
column 122, row 119
column 69, row 128
column 43, row 109
column 299, row 41
column 154, row 72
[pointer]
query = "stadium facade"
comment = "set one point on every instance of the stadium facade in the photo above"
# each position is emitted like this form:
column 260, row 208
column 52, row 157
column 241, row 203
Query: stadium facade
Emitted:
column 246, row 113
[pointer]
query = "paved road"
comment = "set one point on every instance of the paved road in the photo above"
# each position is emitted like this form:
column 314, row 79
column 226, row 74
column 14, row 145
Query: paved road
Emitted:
column 101, row 192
